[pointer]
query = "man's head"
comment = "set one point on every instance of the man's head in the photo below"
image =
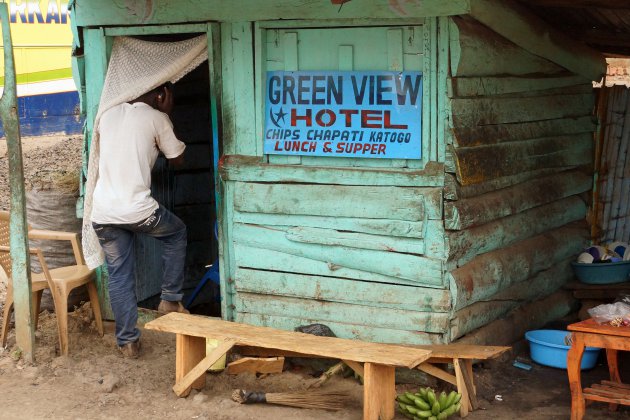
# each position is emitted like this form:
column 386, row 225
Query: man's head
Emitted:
column 160, row 98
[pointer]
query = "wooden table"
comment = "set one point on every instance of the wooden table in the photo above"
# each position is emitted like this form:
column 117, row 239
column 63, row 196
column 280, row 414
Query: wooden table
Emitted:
column 376, row 361
column 590, row 334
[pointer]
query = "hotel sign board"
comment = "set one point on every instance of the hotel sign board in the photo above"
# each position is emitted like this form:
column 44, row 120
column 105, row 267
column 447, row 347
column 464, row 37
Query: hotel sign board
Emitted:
column 371, row 114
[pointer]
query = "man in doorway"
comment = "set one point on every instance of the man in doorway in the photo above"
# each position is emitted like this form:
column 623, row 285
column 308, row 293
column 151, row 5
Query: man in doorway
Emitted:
column 132, row 135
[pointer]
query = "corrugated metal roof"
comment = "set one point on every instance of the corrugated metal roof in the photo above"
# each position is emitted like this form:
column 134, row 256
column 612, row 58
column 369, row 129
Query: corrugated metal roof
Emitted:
column 604, row 25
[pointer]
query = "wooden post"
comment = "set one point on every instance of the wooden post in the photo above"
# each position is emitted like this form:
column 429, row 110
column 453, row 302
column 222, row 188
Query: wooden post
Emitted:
column 574, row 361
column 379, row 392
column 189, row 351
column 613, row 368
column 21, row 266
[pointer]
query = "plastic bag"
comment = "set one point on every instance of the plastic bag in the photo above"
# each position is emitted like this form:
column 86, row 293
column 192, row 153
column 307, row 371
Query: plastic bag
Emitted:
column 617, row 313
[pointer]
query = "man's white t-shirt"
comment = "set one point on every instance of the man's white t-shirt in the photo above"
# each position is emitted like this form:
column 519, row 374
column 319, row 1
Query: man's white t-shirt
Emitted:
column 131, row 136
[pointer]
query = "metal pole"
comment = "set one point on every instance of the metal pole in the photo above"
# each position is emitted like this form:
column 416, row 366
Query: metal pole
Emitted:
column 21, row 265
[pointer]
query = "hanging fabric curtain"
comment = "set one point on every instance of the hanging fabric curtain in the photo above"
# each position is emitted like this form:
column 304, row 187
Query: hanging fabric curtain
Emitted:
column 135, row 67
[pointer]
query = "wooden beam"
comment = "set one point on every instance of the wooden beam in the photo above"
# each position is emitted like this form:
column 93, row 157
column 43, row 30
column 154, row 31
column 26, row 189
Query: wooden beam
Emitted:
column 379, row 392
column 575, row 4
column 498, row 234
column 256, row 365
column 356, row 367
column 601, row 37
column 479, row 210
column 525, row 29
column 511, row 328
column 20, row 260
column 98, row 12
column 188, row 352
column 493, row 272
column 438, row 373
column 250, row 335
column 252, row 169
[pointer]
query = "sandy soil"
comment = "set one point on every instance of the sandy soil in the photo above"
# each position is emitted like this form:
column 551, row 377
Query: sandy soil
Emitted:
column 95, row 382
column 46, row 160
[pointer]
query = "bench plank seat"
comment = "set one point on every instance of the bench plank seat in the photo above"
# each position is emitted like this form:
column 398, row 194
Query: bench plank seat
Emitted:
column 379, row 360
column 305, row 344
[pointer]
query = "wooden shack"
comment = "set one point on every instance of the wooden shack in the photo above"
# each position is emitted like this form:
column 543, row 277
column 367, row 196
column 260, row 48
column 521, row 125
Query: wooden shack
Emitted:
column 467, row 232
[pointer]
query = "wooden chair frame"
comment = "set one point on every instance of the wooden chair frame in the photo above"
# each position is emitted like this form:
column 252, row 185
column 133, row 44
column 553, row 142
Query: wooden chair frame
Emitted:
column 61, row 281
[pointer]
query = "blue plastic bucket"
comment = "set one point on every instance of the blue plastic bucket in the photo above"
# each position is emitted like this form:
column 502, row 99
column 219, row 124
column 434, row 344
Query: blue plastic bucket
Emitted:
column 548, row 347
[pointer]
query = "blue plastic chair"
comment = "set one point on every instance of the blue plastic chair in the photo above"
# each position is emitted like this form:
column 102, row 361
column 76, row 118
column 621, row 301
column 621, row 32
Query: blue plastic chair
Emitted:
column 211, row 274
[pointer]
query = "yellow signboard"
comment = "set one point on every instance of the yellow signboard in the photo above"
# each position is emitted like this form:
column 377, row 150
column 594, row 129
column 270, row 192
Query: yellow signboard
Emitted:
column 42, row 41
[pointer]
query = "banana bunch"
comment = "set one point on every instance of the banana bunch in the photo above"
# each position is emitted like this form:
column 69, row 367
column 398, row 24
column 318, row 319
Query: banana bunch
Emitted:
column 425, row 404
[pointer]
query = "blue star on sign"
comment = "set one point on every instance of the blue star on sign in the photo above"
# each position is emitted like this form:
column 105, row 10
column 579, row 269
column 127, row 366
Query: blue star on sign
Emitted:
column 280, row 115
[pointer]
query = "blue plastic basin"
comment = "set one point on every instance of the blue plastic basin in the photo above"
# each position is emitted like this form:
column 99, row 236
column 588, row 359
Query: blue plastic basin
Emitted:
column 604, row 273
column 547, row 347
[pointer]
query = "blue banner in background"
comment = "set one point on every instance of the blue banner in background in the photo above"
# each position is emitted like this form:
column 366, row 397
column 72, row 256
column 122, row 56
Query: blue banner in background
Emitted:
column 372, row 114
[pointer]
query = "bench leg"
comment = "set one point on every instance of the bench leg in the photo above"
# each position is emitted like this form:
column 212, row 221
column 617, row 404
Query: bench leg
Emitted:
column 189, row 351
column 465, row 386
column 379, row 392
column 613, row 369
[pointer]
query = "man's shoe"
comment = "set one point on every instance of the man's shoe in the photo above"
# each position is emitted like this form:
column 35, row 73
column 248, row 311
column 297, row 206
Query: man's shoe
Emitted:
column 166, row 307
column 130, row 350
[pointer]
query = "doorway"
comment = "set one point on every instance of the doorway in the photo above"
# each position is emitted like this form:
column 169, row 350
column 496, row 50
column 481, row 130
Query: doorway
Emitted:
column 187, row 191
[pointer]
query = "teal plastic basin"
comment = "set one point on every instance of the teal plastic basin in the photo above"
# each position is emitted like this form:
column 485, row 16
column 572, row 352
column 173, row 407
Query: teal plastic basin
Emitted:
column 548, row 347
column 604, row 273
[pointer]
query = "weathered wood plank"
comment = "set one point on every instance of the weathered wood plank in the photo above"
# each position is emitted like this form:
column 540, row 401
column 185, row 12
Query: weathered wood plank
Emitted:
column 505, row 110
column 476, row 50
column 542, row 284
column 465, row 245
column 342, row 201
column 476, row 211
column 477, row 315
column 518, row 24
column 475, row 135
column 344, row 330
column 483, row 312
column 252, row 168
column 330, row 237
column 453, row 190
column 420, row 269
column 435, row 240
column 434, row 322
column 512, row 328
column 265, row 259
column 495, row 271
column 256, row 365
column 401, row 228
column 478, row 164
column 97, row 12
column 332, row 289
column 488, row 86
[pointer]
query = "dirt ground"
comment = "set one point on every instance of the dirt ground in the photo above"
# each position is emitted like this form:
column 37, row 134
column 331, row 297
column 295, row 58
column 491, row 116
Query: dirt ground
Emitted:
column 96, row 382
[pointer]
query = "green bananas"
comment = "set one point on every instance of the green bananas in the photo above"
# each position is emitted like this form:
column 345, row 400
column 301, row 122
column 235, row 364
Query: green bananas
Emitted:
column 425, row 404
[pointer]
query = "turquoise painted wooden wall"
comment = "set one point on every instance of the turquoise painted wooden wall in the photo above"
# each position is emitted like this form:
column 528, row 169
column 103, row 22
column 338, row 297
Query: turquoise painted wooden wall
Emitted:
column 520, row 150
column 357, row 244
column 415, row 251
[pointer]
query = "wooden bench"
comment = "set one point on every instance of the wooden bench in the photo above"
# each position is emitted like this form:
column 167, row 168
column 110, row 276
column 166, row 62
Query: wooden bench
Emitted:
column 379, row 360
column 461, row 356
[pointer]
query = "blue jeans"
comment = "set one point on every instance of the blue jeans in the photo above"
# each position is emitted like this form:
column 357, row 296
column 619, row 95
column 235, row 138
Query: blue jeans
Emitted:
column 117, row 241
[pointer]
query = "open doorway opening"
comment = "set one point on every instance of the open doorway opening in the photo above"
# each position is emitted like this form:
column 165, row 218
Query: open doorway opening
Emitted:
column 188, row 191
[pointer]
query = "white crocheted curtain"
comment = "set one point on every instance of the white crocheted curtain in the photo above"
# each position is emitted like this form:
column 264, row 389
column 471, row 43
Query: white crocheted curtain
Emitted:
column 135, row 67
